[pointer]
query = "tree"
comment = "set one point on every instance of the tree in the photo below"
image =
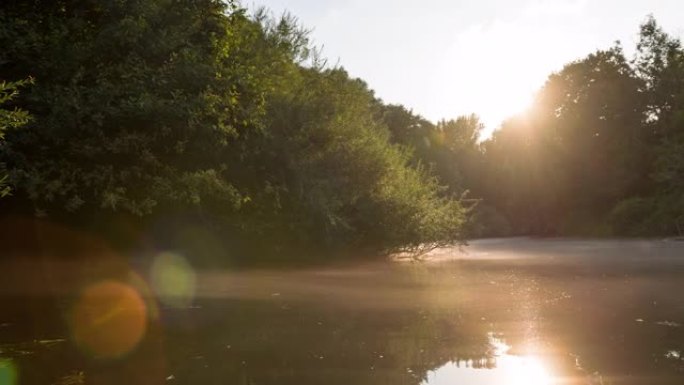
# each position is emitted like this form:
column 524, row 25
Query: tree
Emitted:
column 660, row 62
column 9, row 119
column 189, row 113
column 332, row 179
column 579, row 150
column 136, row 103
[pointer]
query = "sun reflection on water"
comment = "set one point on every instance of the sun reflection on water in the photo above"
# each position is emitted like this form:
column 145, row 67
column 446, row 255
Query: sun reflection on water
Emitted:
column 509, row 369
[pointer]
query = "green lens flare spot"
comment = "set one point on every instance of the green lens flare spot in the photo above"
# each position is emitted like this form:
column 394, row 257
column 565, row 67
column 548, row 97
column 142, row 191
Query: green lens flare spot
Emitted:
column 173, row 280
column 8, row 372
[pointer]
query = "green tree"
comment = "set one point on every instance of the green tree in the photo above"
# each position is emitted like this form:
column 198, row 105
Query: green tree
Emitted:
column 660, row 62
column 189, row 113
column 332, row 179
column 9, row 119
column 580, row 149
column 136, row 103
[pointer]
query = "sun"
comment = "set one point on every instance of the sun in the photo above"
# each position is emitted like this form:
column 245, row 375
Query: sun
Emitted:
column 498, row 69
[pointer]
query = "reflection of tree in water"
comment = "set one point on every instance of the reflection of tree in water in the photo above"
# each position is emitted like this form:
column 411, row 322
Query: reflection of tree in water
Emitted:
column 401, row 331
column 479, row 363
column 606, row 318
column 259, row 343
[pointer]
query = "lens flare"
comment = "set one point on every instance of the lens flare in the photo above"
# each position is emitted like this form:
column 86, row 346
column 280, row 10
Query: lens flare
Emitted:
column 173, row 280
column 8, row 373
column 109, row 319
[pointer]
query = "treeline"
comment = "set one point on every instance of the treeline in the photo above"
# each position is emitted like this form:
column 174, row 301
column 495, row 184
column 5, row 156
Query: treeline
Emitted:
column 600, row 152
column 202, row 127
column 192, row 123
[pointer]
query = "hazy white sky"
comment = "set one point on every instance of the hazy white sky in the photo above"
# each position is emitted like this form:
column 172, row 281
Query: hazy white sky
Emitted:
column 444, row 58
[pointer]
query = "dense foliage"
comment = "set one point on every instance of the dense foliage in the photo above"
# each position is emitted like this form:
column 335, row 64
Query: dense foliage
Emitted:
column 184, row 113
column 177, row 117
column 600, row 151
column 9, row 118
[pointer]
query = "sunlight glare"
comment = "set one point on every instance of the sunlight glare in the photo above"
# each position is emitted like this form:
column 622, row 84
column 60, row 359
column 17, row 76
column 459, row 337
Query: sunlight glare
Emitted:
column 510, row 369
column 529, row 371
column 495, row 91
column 520, row 370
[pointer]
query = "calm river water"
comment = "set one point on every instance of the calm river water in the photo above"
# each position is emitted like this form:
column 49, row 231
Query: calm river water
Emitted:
column 513, row 311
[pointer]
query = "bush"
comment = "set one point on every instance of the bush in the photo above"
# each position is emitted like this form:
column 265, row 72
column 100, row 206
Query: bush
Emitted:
column 486, row 221
column 657, row 215
column 631, row 216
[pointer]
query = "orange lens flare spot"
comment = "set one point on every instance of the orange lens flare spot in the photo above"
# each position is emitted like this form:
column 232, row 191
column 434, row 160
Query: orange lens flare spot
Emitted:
column 109, row 319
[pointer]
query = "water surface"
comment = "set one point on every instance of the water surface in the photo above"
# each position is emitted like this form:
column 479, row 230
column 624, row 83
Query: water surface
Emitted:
column 514, row 311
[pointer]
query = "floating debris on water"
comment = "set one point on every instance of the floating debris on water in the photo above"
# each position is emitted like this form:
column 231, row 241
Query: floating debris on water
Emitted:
column 73, row 378
column 51, row 342
column 671, row 324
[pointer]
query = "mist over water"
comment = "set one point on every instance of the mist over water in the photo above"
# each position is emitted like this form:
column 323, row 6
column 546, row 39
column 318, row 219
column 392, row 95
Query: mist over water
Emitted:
column 514, row 311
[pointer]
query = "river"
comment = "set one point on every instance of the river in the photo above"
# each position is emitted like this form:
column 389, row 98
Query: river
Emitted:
column 502, row 311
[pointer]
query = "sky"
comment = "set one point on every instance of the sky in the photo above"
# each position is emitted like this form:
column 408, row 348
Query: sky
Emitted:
column 446, row 58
